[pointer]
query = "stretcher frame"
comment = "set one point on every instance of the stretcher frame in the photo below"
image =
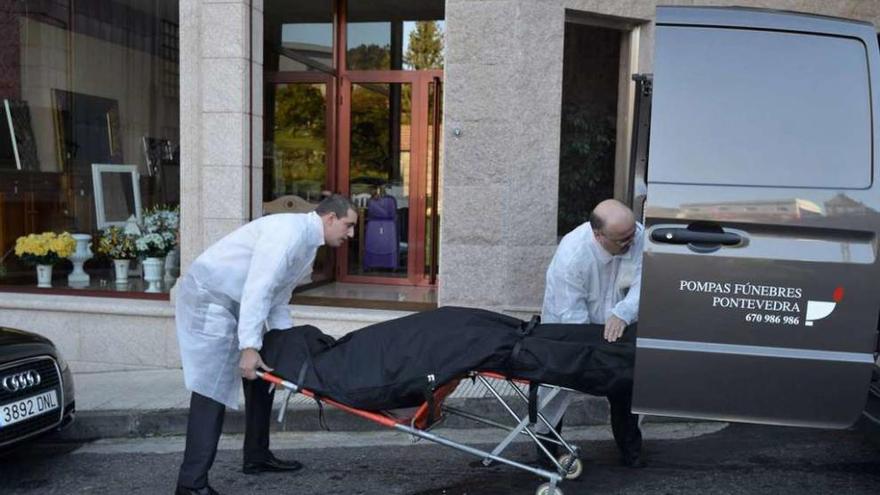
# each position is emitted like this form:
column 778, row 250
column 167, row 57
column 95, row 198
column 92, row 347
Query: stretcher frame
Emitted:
column 567, row 466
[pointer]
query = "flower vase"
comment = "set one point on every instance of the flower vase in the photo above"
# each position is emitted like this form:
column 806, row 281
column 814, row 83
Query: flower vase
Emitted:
column 120, row 268
column 44, row 276
column 83, row 252
column 153, row 272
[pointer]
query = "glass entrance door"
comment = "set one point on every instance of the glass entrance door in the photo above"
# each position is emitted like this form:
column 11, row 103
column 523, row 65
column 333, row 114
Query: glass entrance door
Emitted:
column 298, row 151
column 386, row 156
column 352, row 106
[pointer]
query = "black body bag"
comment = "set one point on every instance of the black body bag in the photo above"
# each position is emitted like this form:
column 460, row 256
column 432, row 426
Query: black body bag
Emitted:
column 396, row 363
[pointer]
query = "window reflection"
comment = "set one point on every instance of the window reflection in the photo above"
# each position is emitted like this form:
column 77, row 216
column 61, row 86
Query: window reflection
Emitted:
column 296, row 149
column 306, row 47
column 298, row 36
column 295, row 156
column 410, row 39
column 83, row 85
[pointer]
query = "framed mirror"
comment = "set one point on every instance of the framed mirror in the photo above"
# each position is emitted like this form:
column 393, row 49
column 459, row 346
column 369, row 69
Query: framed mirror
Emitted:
column 117, row 194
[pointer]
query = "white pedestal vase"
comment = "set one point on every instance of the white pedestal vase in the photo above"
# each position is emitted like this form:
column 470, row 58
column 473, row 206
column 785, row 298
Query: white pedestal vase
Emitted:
column 153, row 272
column 44, row 276
column 120, row 268
column 83, row 252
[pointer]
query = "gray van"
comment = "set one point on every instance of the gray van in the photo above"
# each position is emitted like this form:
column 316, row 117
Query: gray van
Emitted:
column 761, row 281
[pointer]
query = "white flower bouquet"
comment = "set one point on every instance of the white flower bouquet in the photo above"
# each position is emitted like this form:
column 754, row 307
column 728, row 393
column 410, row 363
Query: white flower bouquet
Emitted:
column 158, row 232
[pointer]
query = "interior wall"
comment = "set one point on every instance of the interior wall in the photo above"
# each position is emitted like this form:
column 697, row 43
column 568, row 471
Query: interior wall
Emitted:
column 99, row 68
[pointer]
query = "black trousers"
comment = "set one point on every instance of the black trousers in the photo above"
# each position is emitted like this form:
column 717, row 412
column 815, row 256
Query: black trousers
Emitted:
column 205, row 423
column 625, row 425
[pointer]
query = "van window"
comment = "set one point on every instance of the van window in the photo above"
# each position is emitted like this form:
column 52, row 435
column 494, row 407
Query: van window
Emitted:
column 762, row 108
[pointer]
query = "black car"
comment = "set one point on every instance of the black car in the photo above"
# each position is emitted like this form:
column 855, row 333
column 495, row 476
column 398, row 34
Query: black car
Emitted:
column 36, row 387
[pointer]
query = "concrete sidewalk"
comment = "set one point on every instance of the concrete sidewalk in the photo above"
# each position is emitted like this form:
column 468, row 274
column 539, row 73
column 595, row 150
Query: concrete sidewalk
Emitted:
column 130, row 402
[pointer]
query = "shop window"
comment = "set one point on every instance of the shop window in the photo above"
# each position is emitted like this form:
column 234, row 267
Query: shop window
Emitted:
column 89, row 100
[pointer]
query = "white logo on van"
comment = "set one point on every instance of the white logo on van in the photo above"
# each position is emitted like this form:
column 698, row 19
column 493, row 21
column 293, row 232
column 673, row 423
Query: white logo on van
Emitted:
column 816, row 310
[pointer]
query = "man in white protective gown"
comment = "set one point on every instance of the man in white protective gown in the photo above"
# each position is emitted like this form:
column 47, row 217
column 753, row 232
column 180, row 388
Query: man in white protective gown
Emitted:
column 234, row 292
column 595, row 277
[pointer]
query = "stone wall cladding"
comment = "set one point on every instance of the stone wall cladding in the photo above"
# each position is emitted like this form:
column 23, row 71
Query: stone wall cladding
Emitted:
column 216, row 121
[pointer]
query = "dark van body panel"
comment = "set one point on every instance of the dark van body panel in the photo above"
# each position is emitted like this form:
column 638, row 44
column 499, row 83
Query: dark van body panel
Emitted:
column 762, row 129
column 751, row 18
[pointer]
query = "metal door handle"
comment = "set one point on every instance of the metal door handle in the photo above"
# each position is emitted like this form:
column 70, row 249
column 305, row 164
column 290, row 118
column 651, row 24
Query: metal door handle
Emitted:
column 685, row 236
column 698, row 238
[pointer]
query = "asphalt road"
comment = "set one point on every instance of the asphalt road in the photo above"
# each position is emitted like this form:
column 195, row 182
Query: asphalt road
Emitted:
column 698, row 459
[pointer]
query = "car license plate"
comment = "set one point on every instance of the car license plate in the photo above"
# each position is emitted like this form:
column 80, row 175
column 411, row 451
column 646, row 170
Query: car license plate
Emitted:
column 22, row 409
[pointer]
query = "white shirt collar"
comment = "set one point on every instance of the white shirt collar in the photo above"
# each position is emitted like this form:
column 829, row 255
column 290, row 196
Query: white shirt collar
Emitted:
column 316, row 230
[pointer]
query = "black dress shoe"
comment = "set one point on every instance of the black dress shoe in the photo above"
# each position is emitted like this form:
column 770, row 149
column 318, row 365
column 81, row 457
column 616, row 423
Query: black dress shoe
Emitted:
column 270, row 464
column 633, row 461
column 205, row 490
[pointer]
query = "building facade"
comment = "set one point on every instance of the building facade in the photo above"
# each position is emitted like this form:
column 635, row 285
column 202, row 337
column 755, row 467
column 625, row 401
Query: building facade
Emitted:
column 235, row 109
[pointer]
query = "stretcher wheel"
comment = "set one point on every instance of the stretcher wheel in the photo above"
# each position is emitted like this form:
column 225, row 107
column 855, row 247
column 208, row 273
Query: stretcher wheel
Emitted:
column 575, row 470
column 545, row 489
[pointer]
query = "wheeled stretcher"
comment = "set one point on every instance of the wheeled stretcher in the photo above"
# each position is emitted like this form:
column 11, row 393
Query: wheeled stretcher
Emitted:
column 417, row 361
column 422, row 419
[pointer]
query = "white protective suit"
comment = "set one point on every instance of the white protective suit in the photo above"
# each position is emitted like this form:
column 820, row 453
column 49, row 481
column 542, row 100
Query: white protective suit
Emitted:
column 235, row 291
column 586, row 284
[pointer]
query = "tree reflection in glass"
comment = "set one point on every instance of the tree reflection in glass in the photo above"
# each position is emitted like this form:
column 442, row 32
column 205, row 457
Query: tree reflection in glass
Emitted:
column 299, row 141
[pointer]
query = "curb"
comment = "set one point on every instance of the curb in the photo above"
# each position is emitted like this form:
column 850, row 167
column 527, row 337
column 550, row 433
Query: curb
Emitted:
column 92, row 425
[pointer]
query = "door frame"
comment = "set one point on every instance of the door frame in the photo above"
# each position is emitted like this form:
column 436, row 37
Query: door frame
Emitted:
column 338, row 81
column 419, row 167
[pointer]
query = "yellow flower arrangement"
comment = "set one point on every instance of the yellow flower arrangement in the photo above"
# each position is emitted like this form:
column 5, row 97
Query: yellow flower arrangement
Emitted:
column 117, row 245
column 47, row 248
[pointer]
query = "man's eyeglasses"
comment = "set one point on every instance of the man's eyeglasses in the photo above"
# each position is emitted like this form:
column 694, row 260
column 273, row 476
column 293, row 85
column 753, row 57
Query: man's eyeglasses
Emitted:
column 623, row 242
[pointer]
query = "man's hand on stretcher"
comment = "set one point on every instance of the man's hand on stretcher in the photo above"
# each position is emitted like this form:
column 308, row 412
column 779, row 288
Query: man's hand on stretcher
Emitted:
column 249, row 363
column 614, row 328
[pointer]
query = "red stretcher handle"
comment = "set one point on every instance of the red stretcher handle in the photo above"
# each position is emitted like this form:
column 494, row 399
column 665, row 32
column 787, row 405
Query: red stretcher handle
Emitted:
column 372, row 416
column 375, row 417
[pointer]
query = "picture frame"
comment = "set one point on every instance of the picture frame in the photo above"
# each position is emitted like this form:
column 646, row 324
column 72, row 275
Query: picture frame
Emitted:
column 117, row 194
column 18, row 149
column 156, row 151
column 87, row 130
column 153, row 154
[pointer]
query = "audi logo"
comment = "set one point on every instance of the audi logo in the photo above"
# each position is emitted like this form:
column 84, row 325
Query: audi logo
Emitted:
column 21, row 381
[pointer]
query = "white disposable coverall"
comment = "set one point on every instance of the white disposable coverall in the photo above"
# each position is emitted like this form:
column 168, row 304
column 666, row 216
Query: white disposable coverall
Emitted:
column 586, row 284
column 236, row 290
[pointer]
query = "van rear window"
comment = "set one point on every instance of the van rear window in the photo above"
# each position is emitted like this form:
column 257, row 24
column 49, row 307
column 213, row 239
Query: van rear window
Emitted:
column 763, row 108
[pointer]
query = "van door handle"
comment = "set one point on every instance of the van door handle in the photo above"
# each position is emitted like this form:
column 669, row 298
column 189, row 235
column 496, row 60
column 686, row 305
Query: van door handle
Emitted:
column 685, row 236
column 696, row 240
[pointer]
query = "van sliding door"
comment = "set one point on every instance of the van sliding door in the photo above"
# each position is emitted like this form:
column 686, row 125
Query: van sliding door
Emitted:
column 760, row 289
